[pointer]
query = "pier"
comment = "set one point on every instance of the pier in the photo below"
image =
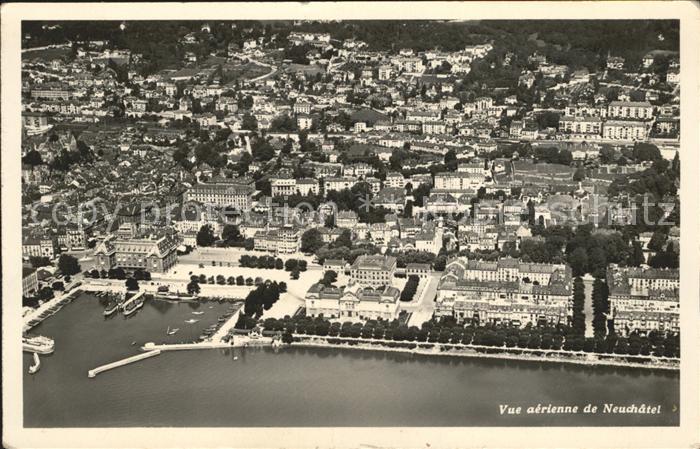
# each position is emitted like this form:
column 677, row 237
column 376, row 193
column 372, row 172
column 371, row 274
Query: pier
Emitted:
column 239, row 341
column 100, row 369
column 49, row 308
column 133, row 299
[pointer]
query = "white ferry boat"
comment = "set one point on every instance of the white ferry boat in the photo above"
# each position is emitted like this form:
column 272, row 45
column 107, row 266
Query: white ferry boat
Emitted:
column 111, row 309
column 137, row 305
column 39, row 344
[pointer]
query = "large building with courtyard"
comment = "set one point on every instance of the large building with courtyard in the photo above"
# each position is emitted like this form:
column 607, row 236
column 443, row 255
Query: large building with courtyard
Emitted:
column 153, row 254
column 353, row 302
column 373, row 271
column 505, row 291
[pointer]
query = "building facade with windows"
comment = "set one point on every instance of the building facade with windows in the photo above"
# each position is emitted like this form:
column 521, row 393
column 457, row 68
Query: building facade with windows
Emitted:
column 644, row 300
column 505, row 291
column 154, row 254
column 352, row 303
column 373, row 271
column 221, row 195
column 30, row 282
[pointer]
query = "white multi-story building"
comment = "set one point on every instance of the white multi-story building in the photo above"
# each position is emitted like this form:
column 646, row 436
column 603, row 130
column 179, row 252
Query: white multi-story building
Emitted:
column 282, row 240
column 434, row 127
column 373, row 271
column 304, row 121
column 221, row 195
column 458, row 182
column 625, row 130
column 345, row 182
column 581, row 125
column 637, row 110
column 644, row 299
column 353, row 302
column 394, row 180
column 505, row 291
column 385, row 72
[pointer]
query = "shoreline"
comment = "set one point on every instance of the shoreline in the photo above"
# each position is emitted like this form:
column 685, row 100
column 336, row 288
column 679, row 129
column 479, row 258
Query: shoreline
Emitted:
column 472, row 353
column 438, row 349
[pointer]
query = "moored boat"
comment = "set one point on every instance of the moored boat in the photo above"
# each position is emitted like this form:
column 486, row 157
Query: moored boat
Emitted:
column 131, row 310
column 39, row 344
column 111, row 308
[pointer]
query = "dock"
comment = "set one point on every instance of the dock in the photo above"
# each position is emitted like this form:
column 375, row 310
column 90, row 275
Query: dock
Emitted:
column 100, row 369
column 239, row 341
column 133, row 299
column 49, row 308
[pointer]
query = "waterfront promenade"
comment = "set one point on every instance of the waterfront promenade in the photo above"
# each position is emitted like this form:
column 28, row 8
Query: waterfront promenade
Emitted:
column 36, row 314
column 479, row 351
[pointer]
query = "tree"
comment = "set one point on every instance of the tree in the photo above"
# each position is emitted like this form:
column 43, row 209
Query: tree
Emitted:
column 231, row 234
column 249, row 122
column 451, row 160
column 636, row 257
column 132, row 284
column 39, row 261
column 58, row 285
column 311, row 241
column 420, row 193
column 578, row 260
column 68, row 265
column 205, row 236
column 329, row 277
column 262, row 150
column 32, row 158
column 409, row 290
column 193, row 288
column 657, row 241
column 287, row 337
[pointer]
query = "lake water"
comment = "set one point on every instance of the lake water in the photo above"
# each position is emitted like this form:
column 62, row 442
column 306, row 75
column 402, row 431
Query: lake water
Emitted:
column 303, row 386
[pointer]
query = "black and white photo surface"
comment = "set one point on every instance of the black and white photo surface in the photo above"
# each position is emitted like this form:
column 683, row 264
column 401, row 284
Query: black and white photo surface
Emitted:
column 230, row 222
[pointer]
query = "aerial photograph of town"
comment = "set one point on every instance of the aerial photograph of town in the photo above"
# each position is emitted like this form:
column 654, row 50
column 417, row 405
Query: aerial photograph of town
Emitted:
column 350, row 223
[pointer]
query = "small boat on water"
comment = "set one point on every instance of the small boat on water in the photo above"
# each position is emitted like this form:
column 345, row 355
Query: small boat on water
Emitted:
column 39, row 344
column 197, row 313
column 136, row 305
column 191, row 321
column 111, row 308
column 172, row 331
column 37, row 364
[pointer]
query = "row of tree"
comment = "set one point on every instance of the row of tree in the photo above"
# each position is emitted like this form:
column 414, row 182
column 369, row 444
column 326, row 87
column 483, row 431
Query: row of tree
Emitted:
column 409, row 290
column 262, row 298
column 263, row 262
column 578, row 321
column 531, row 337
column 601, row 307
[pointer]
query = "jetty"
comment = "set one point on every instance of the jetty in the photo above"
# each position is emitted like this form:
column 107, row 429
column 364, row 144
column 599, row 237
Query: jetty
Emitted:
column 135, row 358
column 132, row 299
column 239, row 341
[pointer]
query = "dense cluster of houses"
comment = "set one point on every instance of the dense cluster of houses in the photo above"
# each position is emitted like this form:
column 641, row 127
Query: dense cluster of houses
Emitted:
column 347, row 101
